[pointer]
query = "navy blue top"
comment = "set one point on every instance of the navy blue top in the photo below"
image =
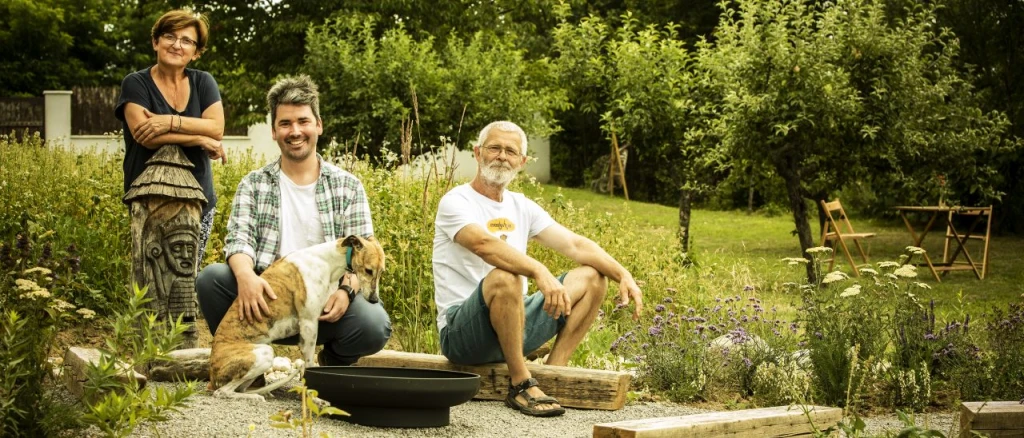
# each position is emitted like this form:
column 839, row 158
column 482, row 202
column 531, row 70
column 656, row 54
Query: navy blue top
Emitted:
column 139, row 88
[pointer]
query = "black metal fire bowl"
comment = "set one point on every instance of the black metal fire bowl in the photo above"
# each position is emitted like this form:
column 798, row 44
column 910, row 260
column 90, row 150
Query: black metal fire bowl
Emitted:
column 393, row 397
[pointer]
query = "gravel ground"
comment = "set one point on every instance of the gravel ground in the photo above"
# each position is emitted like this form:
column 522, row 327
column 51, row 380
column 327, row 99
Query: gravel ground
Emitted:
column 211, row 417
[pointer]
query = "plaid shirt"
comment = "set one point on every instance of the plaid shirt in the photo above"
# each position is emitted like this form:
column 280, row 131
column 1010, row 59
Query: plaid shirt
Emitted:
column 254, row 227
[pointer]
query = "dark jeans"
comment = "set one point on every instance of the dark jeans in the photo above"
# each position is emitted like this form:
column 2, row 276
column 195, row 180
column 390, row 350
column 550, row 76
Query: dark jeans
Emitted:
column 361, row 331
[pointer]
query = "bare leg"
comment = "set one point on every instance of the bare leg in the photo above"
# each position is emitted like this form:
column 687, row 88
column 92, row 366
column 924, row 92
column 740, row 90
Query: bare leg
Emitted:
column 587, row 289
column 503, row 294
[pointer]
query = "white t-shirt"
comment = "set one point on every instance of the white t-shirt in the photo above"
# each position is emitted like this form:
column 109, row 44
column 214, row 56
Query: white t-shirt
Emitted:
column 300, row 220
column 457, row 271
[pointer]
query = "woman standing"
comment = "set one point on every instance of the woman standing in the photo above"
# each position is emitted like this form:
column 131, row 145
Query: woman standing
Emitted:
column 169, row 103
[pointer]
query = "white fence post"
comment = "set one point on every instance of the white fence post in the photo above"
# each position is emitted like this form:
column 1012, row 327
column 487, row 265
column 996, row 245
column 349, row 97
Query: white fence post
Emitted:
column 58, row 114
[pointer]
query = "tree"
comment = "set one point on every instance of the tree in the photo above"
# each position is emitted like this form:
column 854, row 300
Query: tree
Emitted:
column 830, row 95
column 371, row 82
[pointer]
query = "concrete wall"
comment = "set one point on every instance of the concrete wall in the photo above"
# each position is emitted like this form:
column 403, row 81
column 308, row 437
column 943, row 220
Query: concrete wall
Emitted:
column 259, row 140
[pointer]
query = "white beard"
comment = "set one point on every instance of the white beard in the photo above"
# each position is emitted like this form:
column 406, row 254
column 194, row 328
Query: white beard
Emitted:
column 498, row 174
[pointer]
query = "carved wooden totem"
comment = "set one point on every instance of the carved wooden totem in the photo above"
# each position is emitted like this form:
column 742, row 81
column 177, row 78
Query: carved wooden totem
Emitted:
column 166, row 205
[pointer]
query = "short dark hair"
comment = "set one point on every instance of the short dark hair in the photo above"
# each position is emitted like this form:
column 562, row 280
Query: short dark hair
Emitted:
column 293, row 90
column 179, row 19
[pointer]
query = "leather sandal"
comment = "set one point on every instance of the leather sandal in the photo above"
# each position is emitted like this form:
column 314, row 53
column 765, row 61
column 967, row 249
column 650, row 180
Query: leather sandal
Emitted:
column 530, row 408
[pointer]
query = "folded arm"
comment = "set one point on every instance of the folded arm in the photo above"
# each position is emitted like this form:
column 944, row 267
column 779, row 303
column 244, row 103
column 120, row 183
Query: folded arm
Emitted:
column 152, row 131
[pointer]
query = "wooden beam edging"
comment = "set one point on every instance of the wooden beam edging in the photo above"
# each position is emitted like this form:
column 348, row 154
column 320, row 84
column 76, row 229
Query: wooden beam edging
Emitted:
column 993, row 418
column 573, row 387
column 746, row 423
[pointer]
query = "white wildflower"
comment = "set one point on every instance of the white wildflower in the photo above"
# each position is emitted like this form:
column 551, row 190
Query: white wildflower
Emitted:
column 61, row 305
column 888, row 264
column 906, row 271
column 851, row 291
column 26, row 285
column 891, row 276
column 819, row 249
column 834, row 276
column 38, row 269
column 922, row 285
column 86, row 313
column 869, row 271
column 915, row 250
column 793, row 261
column 38, row 293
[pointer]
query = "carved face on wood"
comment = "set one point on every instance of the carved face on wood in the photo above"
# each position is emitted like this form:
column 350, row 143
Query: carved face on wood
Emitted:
column 180, row 250
column 176, row 243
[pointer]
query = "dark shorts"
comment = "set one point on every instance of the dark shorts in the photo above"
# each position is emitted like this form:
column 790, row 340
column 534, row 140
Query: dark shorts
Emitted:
column 469, row 338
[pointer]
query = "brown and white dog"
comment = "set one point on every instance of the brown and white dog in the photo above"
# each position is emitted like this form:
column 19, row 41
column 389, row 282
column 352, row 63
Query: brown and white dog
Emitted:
column 303, row 281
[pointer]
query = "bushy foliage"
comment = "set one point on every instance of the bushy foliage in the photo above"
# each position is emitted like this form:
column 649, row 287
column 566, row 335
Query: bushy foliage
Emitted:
column 37, row 290
column 374, row 79
column 72, row 201
column 114, row 403
column 714, row 351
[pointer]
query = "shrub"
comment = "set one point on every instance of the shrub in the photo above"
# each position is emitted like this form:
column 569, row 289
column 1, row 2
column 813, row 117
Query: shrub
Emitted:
column 1005, row 334
column 74, row 198
column 692, row 354
column 36, row 292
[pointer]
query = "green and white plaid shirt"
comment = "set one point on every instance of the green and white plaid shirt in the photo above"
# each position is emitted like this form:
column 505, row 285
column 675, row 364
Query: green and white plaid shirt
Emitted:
column 254, row 227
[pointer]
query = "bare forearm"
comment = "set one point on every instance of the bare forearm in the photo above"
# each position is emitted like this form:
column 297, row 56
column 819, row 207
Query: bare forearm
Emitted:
column 586, row 252
column 241, row 265
column 187, row 140
column 502, row 256
column 200, row 126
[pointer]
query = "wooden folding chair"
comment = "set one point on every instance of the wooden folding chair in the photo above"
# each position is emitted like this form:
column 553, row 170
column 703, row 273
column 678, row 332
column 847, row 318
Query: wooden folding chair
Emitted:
column 839, row 230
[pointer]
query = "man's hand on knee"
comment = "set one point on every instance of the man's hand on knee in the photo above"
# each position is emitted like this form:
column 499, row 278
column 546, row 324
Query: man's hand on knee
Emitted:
column 556, row 297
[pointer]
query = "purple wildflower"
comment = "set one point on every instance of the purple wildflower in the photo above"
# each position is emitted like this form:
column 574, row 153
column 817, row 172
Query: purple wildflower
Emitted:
column 659, row 308
column 654, row 331
column 748, row 288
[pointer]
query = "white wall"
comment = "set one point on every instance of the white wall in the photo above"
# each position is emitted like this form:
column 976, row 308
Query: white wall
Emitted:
column 58, row 131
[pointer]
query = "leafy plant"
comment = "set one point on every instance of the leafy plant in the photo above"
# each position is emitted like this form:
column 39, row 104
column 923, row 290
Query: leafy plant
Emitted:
column 36, row 302
column 114, row 402
column 312, row 409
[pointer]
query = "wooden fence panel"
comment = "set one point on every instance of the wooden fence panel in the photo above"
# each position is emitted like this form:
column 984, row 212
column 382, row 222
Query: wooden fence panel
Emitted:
column 92, row 110
column 22, row 115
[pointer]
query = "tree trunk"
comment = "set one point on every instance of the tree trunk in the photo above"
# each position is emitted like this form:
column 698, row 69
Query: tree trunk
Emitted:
column 799, row 209
column 685, row 204
column 821, row 213
column 750, row 200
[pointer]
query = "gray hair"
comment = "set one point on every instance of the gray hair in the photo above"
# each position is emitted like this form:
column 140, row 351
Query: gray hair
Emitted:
column 502, row 126
column 293, row 90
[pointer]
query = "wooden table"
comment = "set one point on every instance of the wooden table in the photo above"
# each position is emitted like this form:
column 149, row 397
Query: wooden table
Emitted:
column 955, row 239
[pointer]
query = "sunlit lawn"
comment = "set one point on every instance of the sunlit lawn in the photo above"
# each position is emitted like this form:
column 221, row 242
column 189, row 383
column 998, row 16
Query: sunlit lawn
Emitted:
column 736, row 240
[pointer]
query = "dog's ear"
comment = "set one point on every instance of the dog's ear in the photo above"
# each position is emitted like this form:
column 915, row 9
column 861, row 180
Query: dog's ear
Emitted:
column 353, row 241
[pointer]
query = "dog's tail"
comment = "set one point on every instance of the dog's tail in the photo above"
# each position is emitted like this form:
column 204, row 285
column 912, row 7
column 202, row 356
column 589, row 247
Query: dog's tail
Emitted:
column 277, row 384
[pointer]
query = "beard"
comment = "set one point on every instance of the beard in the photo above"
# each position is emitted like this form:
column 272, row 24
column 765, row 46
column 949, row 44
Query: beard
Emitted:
column 498, row 173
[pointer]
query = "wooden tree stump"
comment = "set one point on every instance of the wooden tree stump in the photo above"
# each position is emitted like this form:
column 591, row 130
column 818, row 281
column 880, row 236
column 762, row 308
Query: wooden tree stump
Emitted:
column 166, row 202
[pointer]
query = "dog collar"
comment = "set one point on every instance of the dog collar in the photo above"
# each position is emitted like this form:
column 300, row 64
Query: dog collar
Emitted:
column 348, row 260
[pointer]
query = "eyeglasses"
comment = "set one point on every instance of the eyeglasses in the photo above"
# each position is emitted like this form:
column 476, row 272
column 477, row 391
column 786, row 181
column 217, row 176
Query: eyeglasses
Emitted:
column 186, row 42
column 497, row 150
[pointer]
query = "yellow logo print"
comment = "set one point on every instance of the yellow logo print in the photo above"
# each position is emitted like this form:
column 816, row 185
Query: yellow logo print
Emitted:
column 500, row 224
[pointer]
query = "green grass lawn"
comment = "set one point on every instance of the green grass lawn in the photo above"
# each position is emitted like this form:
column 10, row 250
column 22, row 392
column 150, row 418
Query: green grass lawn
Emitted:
column 753, row 244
